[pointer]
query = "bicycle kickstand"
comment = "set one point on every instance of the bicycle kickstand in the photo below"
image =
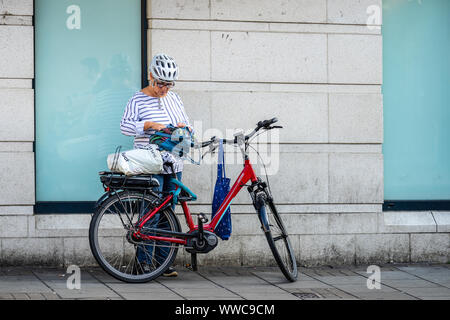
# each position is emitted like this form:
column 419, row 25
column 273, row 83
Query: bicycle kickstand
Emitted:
column 201, row 220
column 194, row 261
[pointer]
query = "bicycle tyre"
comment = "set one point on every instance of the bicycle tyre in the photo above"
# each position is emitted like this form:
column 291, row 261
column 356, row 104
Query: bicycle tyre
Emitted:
column 110, row 239
column 277, row 237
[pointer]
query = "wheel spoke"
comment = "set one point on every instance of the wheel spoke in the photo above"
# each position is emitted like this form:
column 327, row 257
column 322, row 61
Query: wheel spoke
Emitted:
column 282, row 250
column 118, row 251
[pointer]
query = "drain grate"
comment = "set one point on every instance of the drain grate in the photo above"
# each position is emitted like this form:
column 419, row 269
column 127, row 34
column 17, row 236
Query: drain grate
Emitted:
column 306, row 295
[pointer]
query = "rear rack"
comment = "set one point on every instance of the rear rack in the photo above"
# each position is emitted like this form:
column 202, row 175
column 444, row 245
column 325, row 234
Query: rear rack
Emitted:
column 117, row 180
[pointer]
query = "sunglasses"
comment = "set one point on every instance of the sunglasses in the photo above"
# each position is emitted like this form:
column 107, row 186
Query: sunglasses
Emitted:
column 165, row 84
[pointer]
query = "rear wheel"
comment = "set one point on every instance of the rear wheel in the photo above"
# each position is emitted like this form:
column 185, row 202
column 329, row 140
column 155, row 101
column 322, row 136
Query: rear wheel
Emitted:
column 121, row 254
column 277, row 237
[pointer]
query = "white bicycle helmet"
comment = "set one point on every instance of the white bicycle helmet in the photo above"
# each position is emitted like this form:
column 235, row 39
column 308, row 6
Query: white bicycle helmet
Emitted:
column 164, row 68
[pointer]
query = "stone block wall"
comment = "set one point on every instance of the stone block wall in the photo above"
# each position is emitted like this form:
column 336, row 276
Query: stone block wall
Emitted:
column 314, row 64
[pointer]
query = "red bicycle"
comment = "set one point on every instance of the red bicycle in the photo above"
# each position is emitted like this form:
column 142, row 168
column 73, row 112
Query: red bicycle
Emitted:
column 134, row 234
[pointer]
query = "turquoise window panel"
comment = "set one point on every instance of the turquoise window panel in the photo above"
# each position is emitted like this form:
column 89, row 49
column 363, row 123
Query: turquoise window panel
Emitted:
column 416, row 93
column 88, row 64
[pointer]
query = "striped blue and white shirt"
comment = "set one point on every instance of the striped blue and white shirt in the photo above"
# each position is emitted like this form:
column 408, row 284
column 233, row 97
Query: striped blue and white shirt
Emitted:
column 141, row 108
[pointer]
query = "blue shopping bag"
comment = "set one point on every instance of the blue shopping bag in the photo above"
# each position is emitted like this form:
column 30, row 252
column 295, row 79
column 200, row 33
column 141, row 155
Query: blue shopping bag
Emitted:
column 223, row 228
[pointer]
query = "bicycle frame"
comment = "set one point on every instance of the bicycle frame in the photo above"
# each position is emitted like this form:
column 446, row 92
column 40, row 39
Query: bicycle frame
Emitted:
column 247, row 174
column 141, row 259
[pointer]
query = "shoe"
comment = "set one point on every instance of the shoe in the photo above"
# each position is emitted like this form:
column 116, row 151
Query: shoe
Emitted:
column 170, row 272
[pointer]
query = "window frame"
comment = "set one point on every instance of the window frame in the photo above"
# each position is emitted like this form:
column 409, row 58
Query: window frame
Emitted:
column 417, row 204
column 80, row 207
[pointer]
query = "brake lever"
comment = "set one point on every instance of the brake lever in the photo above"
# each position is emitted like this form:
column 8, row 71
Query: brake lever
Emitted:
column 239, row 137
column 213, row 146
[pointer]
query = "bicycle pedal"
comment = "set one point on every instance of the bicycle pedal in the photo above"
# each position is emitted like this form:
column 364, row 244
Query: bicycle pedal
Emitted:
column 202, row 218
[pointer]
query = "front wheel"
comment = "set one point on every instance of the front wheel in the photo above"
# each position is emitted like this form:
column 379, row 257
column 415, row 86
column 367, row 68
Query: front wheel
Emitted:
column 277, row 237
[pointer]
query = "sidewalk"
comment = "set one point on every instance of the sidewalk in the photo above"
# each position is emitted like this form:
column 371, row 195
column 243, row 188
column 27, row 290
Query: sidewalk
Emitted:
column 398, row 282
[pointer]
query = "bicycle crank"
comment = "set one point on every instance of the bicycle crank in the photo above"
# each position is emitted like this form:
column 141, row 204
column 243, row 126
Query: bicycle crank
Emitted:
column 201, row 241
column 196, row 245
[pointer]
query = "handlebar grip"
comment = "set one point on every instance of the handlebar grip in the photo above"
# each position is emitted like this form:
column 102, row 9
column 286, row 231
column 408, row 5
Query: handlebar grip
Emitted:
column 261, row 124
column 205, row 144
column 273, row 120
column 266, row 123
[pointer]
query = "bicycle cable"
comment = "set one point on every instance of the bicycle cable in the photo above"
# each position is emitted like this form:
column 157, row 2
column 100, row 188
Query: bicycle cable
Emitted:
column 248, row 145
column 264, row 165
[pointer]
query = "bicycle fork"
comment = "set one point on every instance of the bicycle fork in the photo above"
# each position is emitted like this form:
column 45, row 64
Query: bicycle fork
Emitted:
column 260, row 197
column 259, row 194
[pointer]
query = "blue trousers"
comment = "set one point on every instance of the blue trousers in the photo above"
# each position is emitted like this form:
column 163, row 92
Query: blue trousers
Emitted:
column 160, row 254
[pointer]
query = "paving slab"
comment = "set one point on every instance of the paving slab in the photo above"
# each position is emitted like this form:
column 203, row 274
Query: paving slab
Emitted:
column 407, row 283
column 260, row 292
column 305, row 284
column 11, row 271
column 434, row 298
column 263, row 289
column 51, row 296
column 393, row 275
column 102, row 276
column 36, row 296
column 249, row 280
column 386, row 296
column 436, row 274
column 6, row 296
column 150, row 296
column 428, row 292
column 22, row 286
column 149, row 287
column 424, row 269
column 268, row 296
column 346, row 280
column 272, row 276
column 398, row 282
column 339, row 294
column 60, row 274
column 356, row 289
column 87, row 290
column 21, row 296
column 206, row 293
column 179, row 283
column 85, row 294
column 347, row 272
column 323, row 294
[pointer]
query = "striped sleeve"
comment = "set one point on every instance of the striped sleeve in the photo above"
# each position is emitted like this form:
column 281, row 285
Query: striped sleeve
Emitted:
column 183, row 112
column 131, row 125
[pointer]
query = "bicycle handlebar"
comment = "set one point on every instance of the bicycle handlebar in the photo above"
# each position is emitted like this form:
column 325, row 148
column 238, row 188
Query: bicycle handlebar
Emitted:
column 266, row 123
column 261, row 124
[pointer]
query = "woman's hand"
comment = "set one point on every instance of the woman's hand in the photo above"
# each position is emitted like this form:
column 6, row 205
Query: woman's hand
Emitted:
column 182, row 125
column 153, row 125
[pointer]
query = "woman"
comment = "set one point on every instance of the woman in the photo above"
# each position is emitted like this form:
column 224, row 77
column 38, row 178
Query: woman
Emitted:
column 152, row 109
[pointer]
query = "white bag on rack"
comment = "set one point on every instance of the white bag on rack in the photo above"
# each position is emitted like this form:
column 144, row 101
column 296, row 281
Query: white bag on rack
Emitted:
column 136, row 161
